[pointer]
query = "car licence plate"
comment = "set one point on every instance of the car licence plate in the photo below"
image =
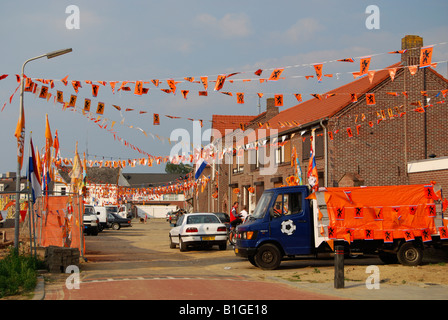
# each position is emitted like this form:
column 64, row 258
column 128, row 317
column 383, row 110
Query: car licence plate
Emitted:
column 208, row 238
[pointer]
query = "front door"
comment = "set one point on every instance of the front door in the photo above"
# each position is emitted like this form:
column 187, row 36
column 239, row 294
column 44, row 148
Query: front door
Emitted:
column 290, row 223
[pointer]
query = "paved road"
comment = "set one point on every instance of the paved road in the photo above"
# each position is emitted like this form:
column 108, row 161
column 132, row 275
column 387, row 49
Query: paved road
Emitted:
column 137, row 264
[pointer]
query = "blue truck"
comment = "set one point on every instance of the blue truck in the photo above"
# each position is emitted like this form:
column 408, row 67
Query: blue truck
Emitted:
column 291, row 222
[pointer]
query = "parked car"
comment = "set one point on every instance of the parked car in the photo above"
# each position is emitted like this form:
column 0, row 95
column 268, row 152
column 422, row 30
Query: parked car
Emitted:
column 115, row 222
column 90, row 221
column 224, row 218
column 198, row 229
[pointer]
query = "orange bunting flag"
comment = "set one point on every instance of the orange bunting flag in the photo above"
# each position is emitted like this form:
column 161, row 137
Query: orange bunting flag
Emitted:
column 364, row 66
column 100, row 108
column 185, row 93
column 240, row 97
column 258, row 72
column 425, row 57
column 87, row 103
column 318, row 69
column 353, row 97
column 413, row 69
column 275, row 75
column 260, row 94
column 317, row 96
column 347, row 60
column 189, row 79
column 371, row 75
column 203, row 93
column 370, row 99
column 349, row 132
column 220, row 82
column 60, row 96
column 95, row 89
column 72, row 102
column 112, row 85
column 76, row 85
column 116, row 107
column 204, row 81
column 138, row 88
column 392, row 73
column 64, row 81
column 172, row 85
column 156, row 119
column 43, row 92
column 155, row 82
column 278, row 100
column 298, row 97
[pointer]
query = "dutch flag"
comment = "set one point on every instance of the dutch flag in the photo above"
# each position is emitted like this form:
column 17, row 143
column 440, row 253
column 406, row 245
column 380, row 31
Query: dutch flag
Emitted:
column 200, row 166
column 33, row 175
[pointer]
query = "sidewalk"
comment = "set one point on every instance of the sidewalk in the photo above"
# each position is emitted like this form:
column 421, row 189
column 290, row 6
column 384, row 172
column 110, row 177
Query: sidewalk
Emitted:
column 358, row 290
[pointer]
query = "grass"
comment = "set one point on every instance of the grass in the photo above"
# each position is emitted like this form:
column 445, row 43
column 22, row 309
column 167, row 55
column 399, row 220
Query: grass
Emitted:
column 18, row 273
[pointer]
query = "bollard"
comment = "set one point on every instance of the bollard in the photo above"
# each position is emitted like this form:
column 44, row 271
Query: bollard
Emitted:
column 339, row 267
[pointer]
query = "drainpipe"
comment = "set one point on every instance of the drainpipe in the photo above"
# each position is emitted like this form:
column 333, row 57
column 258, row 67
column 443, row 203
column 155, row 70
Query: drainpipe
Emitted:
column 325, row 153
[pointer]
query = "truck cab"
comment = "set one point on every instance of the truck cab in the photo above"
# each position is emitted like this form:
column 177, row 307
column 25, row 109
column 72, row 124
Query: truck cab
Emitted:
column 281, row 225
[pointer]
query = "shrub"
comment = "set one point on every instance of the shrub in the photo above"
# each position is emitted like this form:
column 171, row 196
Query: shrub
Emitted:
column 18, row 273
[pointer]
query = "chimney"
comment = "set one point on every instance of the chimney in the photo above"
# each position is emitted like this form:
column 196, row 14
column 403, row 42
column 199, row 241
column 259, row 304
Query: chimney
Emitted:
column 413, row 44
column 271, row 109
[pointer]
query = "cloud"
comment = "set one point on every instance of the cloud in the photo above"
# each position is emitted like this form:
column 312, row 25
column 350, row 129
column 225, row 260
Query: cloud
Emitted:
column 229, row 26
column 302, row 30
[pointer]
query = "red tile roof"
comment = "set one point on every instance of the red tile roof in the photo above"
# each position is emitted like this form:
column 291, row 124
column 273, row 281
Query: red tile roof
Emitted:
column 315, row 109
column 223, row 122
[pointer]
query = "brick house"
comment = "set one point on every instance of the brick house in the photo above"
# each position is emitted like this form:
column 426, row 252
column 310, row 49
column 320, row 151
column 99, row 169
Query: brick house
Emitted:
column 400, row 139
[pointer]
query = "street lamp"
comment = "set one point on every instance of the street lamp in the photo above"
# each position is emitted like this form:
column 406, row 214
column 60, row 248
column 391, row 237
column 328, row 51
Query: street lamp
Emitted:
column 49, row 55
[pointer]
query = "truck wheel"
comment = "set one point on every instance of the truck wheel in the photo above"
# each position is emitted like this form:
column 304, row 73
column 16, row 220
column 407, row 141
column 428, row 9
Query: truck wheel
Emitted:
column 95, row 232
column 268, row 257
column 252, row 261
column 410, row 255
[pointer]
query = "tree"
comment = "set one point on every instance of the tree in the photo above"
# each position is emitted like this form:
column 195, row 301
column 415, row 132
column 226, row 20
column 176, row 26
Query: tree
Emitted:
column 178, row 168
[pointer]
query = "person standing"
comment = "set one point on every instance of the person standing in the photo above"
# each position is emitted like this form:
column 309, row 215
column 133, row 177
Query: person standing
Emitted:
column 244, row 213
column 235, row 218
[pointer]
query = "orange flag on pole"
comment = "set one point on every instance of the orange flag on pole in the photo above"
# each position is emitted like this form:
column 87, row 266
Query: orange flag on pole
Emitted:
column 20, row 135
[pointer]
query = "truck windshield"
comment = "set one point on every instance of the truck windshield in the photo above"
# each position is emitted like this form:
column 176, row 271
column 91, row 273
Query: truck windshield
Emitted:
column 262, row 205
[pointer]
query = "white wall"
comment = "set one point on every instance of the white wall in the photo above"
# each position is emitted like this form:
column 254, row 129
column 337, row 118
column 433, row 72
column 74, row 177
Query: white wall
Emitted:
column 155, row 211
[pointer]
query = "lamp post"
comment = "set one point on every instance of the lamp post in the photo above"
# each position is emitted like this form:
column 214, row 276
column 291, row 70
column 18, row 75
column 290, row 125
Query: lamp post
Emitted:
column 17, row 216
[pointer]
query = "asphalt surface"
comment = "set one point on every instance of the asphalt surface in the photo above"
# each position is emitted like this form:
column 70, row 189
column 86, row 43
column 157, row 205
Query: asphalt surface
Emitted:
column 136, row 264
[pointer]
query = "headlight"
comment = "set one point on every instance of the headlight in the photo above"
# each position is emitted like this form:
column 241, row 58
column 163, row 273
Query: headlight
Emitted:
column 248, row 235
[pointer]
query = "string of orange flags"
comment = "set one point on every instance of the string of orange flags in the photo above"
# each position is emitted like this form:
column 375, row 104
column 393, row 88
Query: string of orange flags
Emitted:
column 139, row 89
column 211, row 153
column 108, row 125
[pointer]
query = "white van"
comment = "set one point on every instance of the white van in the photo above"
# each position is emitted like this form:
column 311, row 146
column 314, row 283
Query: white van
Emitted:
column 102, row 212
column 123, row 211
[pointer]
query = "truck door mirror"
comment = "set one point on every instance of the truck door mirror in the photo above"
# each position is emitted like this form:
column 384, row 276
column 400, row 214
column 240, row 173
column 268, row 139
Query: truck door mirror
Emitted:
column 98, row 213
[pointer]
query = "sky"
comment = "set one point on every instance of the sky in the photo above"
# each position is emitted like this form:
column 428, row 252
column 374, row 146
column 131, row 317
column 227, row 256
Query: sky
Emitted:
column 173, row 39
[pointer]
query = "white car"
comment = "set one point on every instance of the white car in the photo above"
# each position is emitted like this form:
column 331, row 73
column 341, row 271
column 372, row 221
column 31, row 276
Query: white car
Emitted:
column 204, row 229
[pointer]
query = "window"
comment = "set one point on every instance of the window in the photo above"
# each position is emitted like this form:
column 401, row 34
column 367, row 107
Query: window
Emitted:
column 306, row 145
column 283, row 152
column 63, row 191
column 287, row 204
column 238, row 162
column 202, row 219
column 2, row 187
